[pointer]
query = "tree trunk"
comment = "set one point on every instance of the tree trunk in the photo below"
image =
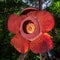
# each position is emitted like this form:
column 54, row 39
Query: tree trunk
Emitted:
column 38, row 4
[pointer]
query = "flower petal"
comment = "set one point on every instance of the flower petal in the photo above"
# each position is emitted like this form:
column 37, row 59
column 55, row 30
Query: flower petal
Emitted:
column 41, row 44
column 27, row 10
column 32, row 13
column 13, row 24
column 46, row 20
column 20, row 44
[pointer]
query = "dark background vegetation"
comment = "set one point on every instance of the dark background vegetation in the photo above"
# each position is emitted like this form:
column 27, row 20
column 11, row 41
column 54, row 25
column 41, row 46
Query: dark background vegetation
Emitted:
column 7, row 52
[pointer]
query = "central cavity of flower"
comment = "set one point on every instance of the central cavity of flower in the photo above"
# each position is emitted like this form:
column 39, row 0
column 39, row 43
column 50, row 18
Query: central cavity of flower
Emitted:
column 30, row 27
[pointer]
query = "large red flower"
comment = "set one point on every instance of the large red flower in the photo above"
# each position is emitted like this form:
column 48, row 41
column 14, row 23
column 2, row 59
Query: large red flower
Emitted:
column 30, row 30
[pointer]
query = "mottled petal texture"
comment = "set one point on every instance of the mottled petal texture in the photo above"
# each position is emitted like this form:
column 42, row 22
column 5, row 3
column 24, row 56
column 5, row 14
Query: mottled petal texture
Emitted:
column 46, row 21
column 20, row 43
column 13, row 23
column 42, row 44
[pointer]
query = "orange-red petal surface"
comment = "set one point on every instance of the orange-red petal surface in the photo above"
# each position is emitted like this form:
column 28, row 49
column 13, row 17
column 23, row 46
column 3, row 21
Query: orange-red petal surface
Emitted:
column 46, row 20
column 20, row 44
column 27, row 10
column 41, row 44
column 32, row 13
column 14, row 23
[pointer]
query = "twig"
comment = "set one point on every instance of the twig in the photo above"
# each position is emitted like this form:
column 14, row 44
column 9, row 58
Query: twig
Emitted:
column 22, row 56
column 42, row 57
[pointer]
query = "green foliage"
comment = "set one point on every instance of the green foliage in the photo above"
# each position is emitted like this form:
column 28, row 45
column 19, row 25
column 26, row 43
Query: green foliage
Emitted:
column 55, row 8
column 7, row 52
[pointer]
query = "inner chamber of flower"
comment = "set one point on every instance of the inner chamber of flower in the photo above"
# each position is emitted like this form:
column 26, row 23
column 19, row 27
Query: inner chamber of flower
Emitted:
column 28, row 27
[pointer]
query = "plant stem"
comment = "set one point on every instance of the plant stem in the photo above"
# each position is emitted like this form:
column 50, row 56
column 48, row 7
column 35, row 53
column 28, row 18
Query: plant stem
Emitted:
column 42, row 57
column 22, row 56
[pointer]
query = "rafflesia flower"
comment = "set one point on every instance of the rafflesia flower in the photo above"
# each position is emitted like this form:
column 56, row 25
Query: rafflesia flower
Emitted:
column 30, row 30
